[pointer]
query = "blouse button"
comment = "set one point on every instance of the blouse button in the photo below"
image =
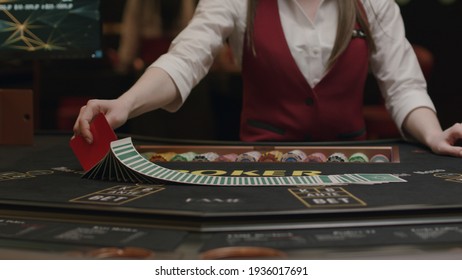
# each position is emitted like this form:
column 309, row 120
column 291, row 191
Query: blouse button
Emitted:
column 315, row 52
column 309, row 101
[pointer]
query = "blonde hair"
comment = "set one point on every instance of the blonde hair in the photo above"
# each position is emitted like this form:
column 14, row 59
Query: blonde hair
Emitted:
column 350, row 13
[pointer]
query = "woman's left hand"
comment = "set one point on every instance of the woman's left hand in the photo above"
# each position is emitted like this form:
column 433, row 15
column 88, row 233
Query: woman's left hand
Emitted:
column 448, row 142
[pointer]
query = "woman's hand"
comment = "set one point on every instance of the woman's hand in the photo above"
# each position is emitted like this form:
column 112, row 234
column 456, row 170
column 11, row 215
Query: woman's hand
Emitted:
column 446, row 142
column 154, row 89
column 423, row 125
column 115, row 110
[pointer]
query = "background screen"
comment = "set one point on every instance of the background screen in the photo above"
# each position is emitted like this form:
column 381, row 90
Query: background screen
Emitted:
column 50, row 29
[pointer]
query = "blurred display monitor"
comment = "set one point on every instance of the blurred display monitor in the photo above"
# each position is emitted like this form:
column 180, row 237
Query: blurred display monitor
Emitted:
column 50, row 29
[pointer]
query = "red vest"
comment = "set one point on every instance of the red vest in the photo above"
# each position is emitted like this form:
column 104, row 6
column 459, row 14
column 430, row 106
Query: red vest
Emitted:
column 279, row 104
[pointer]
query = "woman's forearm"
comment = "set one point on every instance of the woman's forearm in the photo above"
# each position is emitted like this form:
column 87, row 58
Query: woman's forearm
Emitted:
column 154, row 89
column 423, row 125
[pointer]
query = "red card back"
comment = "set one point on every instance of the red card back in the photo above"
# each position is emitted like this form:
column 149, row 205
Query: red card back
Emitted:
column 90, row 154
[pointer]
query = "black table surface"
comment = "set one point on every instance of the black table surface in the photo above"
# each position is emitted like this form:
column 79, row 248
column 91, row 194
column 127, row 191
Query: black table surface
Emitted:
column 42, row 184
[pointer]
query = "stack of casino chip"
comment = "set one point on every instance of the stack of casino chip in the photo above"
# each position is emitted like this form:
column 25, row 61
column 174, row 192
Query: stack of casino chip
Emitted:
column 189, row 156
column 358, row 157
column 206, row 157
column 271, row 156
column 380, row 158
column 227, row 158
column 162, row 157
column 337, row 157
column 316, row 157
column 252, row 156
column 294, row 156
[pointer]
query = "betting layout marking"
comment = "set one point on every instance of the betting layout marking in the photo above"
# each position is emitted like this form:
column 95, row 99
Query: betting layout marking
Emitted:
column 319, row 197
column 118, row 195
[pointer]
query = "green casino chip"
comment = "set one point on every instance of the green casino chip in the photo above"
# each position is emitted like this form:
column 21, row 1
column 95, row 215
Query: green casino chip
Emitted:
column 358, row 157
column 189, row 156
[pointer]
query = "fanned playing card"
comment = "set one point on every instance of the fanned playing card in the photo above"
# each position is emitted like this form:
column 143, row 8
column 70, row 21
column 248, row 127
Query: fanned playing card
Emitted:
column 91, row 154
column 124, row 163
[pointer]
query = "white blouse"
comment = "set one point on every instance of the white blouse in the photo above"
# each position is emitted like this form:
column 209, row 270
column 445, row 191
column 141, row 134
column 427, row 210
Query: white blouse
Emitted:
column 394, row 63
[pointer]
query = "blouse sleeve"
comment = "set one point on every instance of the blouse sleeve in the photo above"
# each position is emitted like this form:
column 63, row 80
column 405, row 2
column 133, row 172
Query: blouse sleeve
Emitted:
column 394, row 62
column 192, row 52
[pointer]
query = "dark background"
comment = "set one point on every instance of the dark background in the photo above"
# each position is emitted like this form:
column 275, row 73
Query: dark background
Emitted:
column 212, row 111
column 438, row 27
